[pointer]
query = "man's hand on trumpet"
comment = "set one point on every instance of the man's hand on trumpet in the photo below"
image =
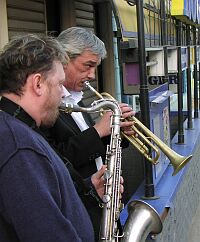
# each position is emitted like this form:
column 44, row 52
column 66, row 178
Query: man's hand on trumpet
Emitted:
column 126, row 125
column 103, row 125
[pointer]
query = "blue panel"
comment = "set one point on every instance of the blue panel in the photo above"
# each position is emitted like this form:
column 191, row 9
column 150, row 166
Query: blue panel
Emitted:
column 168, row 185
column 159, row 117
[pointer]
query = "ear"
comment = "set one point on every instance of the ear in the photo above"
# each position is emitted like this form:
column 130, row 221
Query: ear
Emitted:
column 37, row 84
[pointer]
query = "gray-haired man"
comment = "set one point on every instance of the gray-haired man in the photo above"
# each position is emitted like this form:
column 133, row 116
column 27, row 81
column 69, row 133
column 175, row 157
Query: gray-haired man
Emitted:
column 76, row 136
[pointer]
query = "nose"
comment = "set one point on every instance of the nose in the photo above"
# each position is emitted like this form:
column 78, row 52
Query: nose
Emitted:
column 62, row 92
column 91, row 73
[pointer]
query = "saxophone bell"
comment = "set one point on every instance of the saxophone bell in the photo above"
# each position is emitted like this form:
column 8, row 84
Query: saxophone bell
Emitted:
column 142, row 220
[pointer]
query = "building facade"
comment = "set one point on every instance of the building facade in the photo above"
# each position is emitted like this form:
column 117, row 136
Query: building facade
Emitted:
column 169, row 106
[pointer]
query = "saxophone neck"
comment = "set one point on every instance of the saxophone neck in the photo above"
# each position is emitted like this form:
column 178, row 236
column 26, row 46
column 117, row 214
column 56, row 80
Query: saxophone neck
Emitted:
column 96, row 106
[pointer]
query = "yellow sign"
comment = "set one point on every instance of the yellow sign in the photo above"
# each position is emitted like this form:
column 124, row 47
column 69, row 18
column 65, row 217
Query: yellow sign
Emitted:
column 186, row 10
column 192, row 55
column 127, row 16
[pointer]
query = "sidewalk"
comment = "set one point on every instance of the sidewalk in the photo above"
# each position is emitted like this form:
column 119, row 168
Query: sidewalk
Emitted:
column 194, row 232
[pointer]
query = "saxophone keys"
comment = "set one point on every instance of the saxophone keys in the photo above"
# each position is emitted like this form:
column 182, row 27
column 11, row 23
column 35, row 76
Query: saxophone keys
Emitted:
column 106, row 198
column 107, row 175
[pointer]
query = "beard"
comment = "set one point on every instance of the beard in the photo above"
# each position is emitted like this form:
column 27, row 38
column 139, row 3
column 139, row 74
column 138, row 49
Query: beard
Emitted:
column 51, row 113
column 50, row 118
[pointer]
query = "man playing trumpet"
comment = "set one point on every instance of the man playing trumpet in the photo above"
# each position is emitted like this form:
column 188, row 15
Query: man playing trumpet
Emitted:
column 75, row 136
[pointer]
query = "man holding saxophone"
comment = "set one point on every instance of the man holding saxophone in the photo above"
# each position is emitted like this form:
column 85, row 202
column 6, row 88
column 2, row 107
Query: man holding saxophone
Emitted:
column 76, row 136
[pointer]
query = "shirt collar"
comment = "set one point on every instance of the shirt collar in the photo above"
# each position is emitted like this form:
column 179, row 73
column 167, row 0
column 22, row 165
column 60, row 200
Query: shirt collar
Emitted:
column 72, row 96
column 16, row 111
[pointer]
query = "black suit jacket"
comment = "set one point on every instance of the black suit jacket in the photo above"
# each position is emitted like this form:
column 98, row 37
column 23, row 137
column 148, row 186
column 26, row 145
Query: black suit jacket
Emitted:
column 81, row 148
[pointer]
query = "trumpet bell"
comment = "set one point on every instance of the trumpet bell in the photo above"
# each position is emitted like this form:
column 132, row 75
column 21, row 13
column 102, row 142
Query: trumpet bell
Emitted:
column 178, row 162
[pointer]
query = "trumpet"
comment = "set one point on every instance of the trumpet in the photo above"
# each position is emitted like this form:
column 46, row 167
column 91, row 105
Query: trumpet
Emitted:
column 146, row 142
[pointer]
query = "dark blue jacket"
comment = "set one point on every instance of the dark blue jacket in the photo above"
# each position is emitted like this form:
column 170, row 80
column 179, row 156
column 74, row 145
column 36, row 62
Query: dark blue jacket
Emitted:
column 38, row 201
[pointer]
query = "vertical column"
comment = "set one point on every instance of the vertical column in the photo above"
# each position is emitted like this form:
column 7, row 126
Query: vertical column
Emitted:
column 180, row 85
column 199, row 65
column 144, row 93
column 196, row 112
column 189, row 89
column 164, row 38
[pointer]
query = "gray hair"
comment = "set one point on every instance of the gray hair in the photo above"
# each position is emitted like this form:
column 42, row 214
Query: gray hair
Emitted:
column 76, row 40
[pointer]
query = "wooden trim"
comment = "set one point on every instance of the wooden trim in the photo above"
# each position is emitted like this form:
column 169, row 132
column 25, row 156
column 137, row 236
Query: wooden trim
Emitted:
column 67, row 14
column 105, row 33
column 27, row 18
column 3, row 24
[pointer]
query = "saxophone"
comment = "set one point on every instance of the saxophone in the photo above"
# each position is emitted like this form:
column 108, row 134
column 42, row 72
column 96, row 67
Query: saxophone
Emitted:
column 112, row 205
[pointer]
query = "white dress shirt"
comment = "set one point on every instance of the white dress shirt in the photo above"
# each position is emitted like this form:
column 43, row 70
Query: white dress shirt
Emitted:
column 73, row 98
